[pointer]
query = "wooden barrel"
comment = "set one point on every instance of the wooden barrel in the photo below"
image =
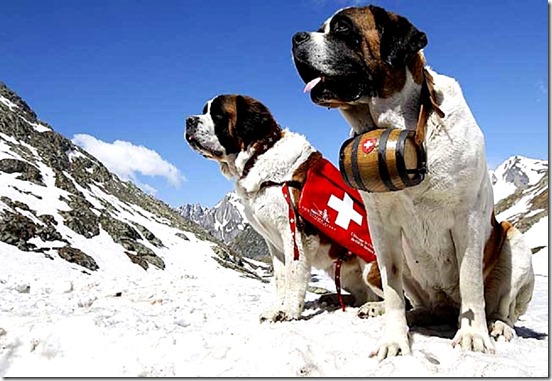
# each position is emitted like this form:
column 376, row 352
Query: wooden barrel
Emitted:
column 382, row 160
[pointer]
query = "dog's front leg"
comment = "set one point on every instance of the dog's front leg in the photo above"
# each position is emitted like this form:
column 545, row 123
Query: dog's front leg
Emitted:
column 469, row 240
column 387, row 243
column 275, row 313
column 297, row 277
column 291, row 277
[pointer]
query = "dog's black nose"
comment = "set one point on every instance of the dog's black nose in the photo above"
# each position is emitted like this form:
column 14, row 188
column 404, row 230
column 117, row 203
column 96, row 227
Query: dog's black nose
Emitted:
column 191, row 122
column 299, row 38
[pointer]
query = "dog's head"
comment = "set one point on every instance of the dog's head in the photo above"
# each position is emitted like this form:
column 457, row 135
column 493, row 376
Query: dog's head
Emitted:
column 356, row 53
column 229, row 125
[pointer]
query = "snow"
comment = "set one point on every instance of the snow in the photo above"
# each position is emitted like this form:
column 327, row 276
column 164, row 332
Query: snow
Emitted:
column 8, row 103
column 37, row 126
column 537, row 236
column 234, row 200
column 198, row 319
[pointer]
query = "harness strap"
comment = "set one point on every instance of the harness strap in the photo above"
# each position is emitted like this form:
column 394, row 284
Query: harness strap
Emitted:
column 428, row 104
column 338, row 263
column 292, row 220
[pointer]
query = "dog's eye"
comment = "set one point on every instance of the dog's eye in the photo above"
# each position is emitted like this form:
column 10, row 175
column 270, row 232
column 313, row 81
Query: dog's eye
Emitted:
column 341, row 27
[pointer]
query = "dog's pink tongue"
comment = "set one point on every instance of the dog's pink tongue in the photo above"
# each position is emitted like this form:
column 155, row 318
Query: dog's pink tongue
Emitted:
column 311, row 84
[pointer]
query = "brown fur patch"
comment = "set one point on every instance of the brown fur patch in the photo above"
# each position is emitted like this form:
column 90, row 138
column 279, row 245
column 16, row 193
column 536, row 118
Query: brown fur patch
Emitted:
column 300, row 174
column 494, row 244
column 228, row 104
column 416, row 67
column 390, row 80
column 300, row 177
column 374, row 276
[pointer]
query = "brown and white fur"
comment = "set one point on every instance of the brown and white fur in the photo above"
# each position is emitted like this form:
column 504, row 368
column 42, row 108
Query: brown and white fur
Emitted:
column 240, row 133
column 438, row 241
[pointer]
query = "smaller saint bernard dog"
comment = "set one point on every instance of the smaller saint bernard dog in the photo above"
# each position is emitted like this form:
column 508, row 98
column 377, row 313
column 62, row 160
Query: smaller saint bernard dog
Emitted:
column 439, row 241
column 241, row 134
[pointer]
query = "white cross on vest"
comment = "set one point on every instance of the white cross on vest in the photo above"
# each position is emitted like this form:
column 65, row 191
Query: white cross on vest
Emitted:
column 345, row 211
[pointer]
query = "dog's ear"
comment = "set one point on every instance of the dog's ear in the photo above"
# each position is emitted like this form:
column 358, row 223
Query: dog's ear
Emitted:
column 253, row 120
column 399, row 39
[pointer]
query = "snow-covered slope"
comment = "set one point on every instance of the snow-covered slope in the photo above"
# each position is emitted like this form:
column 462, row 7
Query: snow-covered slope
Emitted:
column 59, row 202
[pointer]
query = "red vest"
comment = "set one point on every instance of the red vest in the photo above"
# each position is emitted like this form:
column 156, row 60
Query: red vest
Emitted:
column 336, row 209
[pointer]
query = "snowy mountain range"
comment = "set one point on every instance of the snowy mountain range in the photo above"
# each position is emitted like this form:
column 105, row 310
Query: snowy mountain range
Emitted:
column 99, row 279
column 227, row 222
column 224, row 221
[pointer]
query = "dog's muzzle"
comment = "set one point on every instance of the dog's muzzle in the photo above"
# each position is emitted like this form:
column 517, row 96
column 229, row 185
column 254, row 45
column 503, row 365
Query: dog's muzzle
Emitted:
column 382, row 160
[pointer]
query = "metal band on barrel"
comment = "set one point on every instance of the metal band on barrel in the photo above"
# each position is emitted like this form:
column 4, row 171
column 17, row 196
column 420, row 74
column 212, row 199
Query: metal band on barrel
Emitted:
column 382, row 163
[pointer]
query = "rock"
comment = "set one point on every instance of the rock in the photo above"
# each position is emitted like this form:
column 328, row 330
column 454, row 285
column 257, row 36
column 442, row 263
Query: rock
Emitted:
column 149, row 235
column 17, row 229
column 118, row 230
column 74, row 255
column 136, row 259
column 251, row 244
column 81, row 219
column 183, row 236
column 28, row 172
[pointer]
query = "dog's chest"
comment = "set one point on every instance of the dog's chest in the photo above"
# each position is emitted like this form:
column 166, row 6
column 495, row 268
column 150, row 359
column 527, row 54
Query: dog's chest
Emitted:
column 263, row 213
column 429, row 250
column 427, row 242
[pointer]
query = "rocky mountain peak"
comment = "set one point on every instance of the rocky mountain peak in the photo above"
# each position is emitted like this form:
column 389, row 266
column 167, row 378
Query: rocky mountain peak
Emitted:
column 15, row 103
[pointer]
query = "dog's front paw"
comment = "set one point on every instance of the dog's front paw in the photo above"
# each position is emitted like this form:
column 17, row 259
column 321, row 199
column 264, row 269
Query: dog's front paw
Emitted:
column 392, row 346
column 473, row 339
column 500, row 329
column 371, row 309
column 273, row 316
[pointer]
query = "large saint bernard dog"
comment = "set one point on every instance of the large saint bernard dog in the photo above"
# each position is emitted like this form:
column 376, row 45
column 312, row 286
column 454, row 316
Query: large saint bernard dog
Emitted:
column 240, row 133
column 438, row 241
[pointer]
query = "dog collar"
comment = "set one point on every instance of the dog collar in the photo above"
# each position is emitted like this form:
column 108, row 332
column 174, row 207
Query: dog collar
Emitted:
column 261, row 147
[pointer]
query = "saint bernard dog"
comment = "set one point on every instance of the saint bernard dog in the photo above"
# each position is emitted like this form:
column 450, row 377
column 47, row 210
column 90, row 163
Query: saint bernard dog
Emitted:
column 240, row 134
column 437, row 242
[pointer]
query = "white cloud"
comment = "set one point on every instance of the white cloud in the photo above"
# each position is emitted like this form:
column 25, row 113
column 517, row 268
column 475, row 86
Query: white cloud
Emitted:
column 127, row 160
column 147, row 188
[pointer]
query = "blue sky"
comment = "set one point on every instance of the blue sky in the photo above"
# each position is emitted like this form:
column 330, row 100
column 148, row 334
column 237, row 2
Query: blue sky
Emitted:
column 132, row 70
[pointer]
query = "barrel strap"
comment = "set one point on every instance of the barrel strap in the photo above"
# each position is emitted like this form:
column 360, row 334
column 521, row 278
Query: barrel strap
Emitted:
column 382, row 163
column 292, row 220
column 419, row 171
column 428, row 104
